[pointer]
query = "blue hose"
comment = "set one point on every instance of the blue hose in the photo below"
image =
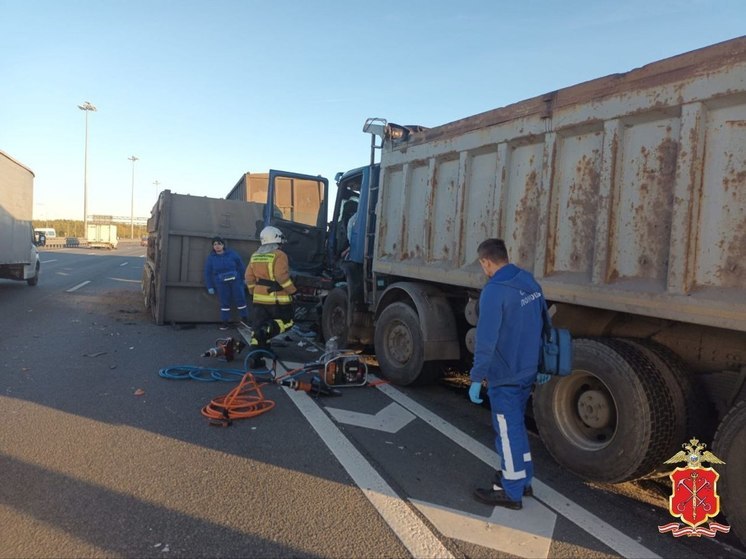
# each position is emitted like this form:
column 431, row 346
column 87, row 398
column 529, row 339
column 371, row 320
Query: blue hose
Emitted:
column 203, row 374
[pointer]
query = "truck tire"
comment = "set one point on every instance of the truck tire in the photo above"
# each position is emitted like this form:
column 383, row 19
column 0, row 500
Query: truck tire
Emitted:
column 35, row 280
column 399, row 346
column 612, row 419
column 679, row 385
column 730, row 446
column 334, row 316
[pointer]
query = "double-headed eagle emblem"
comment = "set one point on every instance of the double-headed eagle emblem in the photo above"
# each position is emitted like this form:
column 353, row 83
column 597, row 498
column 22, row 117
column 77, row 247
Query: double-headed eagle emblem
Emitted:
column 693, row 455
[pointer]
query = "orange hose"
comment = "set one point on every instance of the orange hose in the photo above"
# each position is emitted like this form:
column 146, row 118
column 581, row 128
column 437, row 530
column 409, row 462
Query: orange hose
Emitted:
column 244, row 401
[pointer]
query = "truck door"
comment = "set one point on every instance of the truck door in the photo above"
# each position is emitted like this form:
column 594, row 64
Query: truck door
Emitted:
column 296, row 204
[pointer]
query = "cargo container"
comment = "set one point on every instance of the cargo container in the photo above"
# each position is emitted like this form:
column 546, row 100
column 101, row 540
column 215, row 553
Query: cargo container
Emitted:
column 19, row 259
column 626, row 197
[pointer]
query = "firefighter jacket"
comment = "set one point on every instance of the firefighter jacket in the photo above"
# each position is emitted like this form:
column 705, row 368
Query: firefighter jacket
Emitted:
column 268, row 278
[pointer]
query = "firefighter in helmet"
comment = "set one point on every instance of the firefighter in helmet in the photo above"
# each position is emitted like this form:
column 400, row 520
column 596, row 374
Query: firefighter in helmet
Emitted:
column 268, row 279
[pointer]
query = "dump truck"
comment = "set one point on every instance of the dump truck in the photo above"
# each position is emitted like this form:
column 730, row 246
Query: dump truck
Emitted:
column 19, row 259
column 625, row 196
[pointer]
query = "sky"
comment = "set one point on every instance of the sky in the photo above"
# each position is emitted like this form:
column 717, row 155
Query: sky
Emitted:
column 202, row 92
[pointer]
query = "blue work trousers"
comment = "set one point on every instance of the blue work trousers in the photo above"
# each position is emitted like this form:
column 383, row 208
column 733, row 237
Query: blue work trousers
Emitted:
column 511, row 438
column 230, row 291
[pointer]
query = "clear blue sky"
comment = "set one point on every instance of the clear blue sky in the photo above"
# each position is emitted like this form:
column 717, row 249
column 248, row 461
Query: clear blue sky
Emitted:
column 203, row 91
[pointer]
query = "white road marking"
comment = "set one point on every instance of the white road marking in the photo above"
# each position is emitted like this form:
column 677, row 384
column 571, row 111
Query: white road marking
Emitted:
column 78, row 286
column 526, row 533
column 48, row 261
column 126, row 280
column 123, row 264
column 390, row 419
column 408, row 527
column 604, row 532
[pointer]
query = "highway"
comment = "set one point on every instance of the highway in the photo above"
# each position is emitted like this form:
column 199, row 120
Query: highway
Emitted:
column 102, row 457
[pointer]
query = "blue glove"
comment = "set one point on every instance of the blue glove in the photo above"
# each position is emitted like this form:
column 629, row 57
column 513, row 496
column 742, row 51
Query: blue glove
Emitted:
column 211, row 291
column 474, row 390
column 542, row 378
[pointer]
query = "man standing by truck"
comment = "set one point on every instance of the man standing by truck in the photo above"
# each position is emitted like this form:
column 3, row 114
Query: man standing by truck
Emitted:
column 508, row 343
column 268, row 280
column 223, row 270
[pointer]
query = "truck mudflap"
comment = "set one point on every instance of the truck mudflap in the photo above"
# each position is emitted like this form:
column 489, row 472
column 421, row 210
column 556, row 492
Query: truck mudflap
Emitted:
column 730, row 446
column 614, row 418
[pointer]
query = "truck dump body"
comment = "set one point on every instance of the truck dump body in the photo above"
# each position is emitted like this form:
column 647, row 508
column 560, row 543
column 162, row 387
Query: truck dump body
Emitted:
column 181, row 228
column 625, row 193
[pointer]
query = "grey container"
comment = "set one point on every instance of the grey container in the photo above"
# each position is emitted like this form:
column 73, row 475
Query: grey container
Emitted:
column 180, row 231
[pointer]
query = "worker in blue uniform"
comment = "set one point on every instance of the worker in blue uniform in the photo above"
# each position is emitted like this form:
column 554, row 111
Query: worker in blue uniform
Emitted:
column 224, row 272
column 508, row 342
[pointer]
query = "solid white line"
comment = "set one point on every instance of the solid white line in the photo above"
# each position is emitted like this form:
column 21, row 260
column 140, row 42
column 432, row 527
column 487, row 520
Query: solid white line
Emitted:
column 604, row 532
column 78, row 286
column 48, row 261
column 408, row 527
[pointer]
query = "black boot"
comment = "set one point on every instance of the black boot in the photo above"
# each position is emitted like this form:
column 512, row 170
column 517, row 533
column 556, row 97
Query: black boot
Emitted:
column 497, row 483
column 496, row 498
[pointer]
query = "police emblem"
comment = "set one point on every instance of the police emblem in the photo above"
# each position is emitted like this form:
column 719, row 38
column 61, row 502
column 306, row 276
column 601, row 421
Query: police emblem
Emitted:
column 694, row 499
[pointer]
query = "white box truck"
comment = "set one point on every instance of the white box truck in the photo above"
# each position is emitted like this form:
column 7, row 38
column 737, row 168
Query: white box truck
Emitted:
column 102, row 236
column 19, row 259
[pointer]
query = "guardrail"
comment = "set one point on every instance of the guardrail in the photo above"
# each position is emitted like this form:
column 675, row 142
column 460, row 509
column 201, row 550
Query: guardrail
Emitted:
column 64, row 242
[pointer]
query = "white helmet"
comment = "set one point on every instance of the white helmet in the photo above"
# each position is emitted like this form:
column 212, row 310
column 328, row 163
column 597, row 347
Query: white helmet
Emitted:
column 271, row 235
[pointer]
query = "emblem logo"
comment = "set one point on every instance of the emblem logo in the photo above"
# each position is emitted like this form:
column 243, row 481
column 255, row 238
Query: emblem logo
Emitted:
column 694, row 499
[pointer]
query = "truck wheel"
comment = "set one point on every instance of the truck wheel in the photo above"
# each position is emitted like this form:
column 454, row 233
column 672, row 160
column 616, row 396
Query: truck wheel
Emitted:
column 730, row 446
column 35, row 280
column 334, row 316
column 399, row 345
column 612, row 419
column 679, row 386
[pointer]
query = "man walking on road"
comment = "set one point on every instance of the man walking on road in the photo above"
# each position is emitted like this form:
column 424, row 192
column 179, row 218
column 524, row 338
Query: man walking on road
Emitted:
column 508, row 343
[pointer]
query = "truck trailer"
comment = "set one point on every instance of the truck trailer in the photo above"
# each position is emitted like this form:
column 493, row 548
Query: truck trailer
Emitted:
column 19, row 259
column 625, row 196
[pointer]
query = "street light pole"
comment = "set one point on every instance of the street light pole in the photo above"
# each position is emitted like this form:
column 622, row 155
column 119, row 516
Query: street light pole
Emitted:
column 157, row 184
column 132, row 203
column 87, row 107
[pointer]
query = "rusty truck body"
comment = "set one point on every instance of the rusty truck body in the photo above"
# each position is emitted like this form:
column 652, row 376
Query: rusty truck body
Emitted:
column 626, row 197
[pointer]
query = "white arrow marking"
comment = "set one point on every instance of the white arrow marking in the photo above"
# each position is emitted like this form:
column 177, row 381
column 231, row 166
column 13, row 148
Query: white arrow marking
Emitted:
column 390, row 419
column 526, row 533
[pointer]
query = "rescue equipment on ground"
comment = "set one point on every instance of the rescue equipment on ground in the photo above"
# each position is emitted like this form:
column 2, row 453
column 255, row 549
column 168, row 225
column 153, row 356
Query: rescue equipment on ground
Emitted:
column 246, row 400
column 226, row 348
column 335, row 368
